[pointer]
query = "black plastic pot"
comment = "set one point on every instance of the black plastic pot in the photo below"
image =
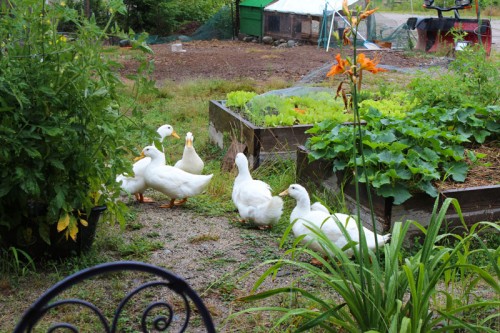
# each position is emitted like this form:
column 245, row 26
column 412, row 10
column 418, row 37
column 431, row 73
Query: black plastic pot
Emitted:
column 60, row 247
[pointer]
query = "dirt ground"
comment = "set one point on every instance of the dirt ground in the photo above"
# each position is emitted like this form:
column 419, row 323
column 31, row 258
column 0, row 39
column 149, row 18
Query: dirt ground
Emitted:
column 237, row 59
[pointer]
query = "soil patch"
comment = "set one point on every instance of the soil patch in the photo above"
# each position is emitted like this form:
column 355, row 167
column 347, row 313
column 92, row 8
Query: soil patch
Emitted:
column 237, row 59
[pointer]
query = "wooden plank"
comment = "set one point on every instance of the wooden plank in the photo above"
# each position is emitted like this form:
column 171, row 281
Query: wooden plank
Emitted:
column 475, row 198
column 257, row 139
column 284, row 138
column 224, row 121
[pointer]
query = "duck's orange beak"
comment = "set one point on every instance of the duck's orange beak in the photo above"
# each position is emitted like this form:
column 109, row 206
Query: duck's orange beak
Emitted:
column 175, row 135
column 189, row 142
column 285, row 192
column 140, row 157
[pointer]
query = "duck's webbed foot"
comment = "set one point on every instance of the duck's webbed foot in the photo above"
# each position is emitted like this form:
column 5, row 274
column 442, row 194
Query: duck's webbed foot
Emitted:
column 142, row 199
column 169, row 205
column 180, row 202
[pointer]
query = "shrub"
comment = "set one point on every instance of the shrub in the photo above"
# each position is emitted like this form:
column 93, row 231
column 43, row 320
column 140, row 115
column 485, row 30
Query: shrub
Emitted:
column 62, row 134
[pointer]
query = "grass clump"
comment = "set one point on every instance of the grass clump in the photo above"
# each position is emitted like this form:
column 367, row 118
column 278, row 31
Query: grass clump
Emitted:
column 396, row 294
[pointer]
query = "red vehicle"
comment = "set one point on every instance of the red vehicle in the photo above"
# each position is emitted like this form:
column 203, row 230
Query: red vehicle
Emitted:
column 434, row 33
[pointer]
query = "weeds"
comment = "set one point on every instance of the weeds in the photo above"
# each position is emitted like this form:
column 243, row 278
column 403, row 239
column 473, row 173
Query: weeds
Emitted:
column 15, row 262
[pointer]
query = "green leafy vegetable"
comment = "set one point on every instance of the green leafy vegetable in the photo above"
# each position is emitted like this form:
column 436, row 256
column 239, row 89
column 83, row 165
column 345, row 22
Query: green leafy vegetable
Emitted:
column 407, row 155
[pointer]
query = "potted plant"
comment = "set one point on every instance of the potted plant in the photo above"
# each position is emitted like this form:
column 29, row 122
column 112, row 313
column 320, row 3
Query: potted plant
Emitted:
column 62, row 133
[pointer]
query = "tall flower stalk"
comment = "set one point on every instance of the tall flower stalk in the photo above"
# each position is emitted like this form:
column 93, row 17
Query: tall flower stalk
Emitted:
column 352, row 69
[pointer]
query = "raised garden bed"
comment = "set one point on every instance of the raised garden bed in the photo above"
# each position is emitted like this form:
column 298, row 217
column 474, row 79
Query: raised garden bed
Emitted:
column 225, row 126
column 477, row 203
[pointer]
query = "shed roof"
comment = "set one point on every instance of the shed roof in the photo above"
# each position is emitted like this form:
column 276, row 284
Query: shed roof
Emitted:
column 255, row 3
column 311, row 7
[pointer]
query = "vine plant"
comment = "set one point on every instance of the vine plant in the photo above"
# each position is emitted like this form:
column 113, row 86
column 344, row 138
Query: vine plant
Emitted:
column 407, row 155
column 399, row 156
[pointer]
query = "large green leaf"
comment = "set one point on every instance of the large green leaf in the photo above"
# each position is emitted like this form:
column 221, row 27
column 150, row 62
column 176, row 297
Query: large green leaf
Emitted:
column 457, row 170
column 380, row 179
column 428, row 188
column 398, row 191
column 391, row 158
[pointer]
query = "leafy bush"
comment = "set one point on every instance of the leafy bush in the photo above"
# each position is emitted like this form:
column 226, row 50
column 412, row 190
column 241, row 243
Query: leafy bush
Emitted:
column 62, row 133
column 165, row 16
column 471, row 79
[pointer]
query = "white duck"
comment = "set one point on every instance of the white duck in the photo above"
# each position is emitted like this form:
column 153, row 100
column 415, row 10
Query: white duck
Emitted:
column 166, row 130
column 190, row 161
column 171, row 181
column 136, row 184
column 304, row 215
column 319, row 206
column 253, row 198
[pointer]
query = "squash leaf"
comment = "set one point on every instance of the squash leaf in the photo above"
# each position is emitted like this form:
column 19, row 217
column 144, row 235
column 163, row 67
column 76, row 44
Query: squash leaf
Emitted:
column 457, row 170
column 399, row 192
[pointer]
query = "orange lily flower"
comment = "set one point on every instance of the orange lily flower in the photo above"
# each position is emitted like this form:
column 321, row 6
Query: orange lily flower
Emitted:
column 340, row 68
column 367, row 13
column 369, row 65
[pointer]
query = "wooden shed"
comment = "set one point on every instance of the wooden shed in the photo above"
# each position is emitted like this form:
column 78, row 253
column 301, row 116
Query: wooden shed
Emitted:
column 251, row 17
column 297, row 19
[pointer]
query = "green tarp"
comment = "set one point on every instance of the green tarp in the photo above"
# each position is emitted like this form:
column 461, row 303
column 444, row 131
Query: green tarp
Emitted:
column 255, row 3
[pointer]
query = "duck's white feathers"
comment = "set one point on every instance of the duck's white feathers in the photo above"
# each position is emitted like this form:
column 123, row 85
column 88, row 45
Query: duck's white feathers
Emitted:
column 319, row 206
column 304, row 216
column 253, row 197
column 136, row 183
column 191, row 162
column 171, row 181
column 131, row 185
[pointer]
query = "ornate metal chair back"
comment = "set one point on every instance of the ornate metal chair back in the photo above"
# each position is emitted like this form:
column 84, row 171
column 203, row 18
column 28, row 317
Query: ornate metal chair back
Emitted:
column 156, row 300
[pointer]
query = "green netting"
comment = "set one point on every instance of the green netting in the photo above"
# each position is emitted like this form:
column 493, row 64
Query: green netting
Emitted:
column 378, row 28
column 386, row 30
column 219, row 26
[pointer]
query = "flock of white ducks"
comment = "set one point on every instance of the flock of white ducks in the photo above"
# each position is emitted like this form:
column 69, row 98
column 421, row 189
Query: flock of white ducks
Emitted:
column 253, row 198
column 177, row 182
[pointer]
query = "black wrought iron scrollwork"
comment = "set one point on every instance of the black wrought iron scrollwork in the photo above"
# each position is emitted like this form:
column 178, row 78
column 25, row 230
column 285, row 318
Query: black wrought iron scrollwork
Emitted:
column 161, row 322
